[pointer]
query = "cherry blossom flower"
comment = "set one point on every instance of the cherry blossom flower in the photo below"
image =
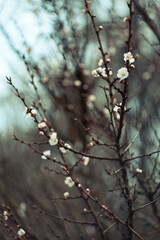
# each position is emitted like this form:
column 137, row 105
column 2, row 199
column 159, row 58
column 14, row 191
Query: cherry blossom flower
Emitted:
column 5, row 215
column 46, row 154
column 85, row 160
column 30, row 112
column 126, row 19
column 64, row 150
column 21, row 232
column 102, row 71
column 117, row 110
column 42, row 125
column 41, row 133
column 90, row 101
column 138, row 171
column 22, row 209
column 94, row 73
column 77, row 83
column 100, row 28
column 53, row 139
column 100, row 62
column 66, row 195
column 122, row 73
column 88, row 191
column 129, row 57
column 68, row 181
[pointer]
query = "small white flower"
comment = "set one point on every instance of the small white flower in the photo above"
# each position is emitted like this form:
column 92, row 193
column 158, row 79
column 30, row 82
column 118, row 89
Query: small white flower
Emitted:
column 91, row 98
column 106, row 112
column 68, row 181
column 138, row 171
column 53, row 139
column 110, row 73
column 34, row 112
column 41, row 133
column 21, row 232
column 46, row 154
column 5, row 215
column 22, row 209
column 126, row 19
column 66, row 195
column 122, row 73
column 30, row 112
column 100, row 62
column 100, row 28
column 64, row 150
column 129, row 57
column 77, row 83
column 42, row 125
column 90, row 101
column 102, row 71
column 116, row 109
column 45, row 79
column 85, row 160
column 94, row 73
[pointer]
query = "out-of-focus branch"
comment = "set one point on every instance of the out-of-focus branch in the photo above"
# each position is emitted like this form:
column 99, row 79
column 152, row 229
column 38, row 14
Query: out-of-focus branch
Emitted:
column 147, row 19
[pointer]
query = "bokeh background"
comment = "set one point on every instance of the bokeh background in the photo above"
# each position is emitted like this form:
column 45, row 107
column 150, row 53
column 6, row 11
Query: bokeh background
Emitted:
column 60, row 46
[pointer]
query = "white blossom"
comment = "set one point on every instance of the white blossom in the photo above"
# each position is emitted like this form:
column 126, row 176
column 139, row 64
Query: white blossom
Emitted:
column 129, row 57
column 34, row 112
column 90, row 101
column 110, row 73
column 30, row 112
column 100, row 62
column 64, row 150
column 22, row 209
column 66, row 195
column 94, row 73
column 102, row 71
column 53, row 139
column 46, row 154
column 122, row 73
column 138, row 171
column 85, row 160
column 42, row 125
column 5, row 215
column 106, row 112
column 68, row 181
column 117, row 108
column 100, row 27
column 77, row 83
column 41, row 133
column 21, row 232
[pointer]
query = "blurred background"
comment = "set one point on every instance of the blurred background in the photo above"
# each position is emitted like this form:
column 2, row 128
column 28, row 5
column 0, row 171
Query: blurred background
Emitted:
column 61, row 49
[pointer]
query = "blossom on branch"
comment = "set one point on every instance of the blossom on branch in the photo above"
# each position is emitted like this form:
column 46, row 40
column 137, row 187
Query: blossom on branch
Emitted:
column 42, row 125
column 46, row 154
column 85, row 160
column 30, row 112
column 90, row 101
column 100, row 62
column 63, row 149
column 68, row 181
column 21, row 232
column 129, row 57
column 138, row 171
column 5, row 215
column 122, row 73
column 66, row 195
column 53, row 139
